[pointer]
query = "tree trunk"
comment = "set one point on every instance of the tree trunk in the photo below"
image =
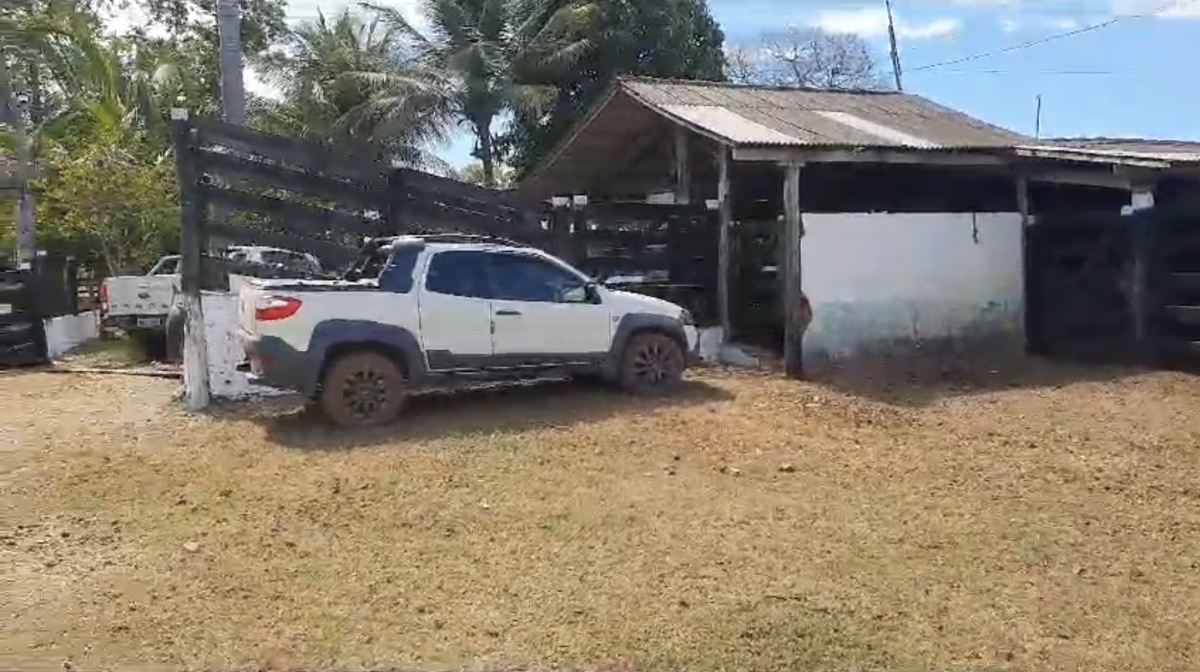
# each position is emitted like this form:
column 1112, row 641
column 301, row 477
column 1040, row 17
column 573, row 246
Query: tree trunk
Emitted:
column 486, row 152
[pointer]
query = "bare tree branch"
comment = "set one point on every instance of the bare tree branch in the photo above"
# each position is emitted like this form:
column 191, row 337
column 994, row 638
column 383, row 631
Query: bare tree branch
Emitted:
column 806, row 57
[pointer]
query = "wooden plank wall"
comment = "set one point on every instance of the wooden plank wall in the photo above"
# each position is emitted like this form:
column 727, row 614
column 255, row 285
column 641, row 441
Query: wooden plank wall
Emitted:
column 668, row 251
column 277, row 192
column 1111, row 288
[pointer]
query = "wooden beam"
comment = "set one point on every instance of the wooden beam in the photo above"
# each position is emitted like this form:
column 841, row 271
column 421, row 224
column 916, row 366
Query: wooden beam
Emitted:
column 725, row 212
column 786, row 155
column 1110, row 178
column 683, row 173
column 794, row 326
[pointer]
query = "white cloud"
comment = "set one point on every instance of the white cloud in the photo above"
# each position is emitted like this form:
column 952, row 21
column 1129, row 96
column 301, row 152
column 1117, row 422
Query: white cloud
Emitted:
column 931, row 30
column 1180, row 9
column 1009, row 26
column 873, row 22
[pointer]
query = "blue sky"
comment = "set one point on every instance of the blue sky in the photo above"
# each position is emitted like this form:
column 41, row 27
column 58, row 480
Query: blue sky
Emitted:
column 1137, row 77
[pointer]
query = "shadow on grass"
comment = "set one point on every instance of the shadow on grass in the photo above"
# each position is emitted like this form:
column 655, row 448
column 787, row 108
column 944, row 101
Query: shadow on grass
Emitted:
column 924, row 377
column 440, row 415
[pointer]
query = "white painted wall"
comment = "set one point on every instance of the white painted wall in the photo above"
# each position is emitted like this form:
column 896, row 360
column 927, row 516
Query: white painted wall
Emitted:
column 876, row 277
column 67, row 332
column 224, row 349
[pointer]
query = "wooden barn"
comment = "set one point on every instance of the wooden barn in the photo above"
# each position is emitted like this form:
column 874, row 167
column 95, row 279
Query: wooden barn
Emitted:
column 902, row 221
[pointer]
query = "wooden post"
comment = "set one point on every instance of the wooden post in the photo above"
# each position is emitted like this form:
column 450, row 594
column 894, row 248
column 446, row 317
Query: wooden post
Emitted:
column 794, row 318
column 1029, row 322
column 723, row 252
column 192, row 217
column 683, row 173
column 1140, row 223
column 579, row 229
column 560, row 228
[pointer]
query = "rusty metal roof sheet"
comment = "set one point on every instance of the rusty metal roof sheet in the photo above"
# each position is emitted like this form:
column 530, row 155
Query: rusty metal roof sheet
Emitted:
column 1169, row 151
column 757, row 115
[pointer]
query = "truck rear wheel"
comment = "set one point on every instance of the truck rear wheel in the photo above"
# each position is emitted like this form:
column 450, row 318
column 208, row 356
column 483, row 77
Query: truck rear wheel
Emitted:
column 651, row 364
column 362, row 389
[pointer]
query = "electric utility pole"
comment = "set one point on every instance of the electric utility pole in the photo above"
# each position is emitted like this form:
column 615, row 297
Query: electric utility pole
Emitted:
column 892, row 40
column 233, row 88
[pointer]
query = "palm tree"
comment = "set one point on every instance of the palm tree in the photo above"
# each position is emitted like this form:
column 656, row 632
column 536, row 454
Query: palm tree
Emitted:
column 487, row 47
column 87, row 86
column 356, row 81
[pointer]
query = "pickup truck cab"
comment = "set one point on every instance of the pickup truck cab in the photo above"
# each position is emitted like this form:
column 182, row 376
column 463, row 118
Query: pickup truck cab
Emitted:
column 436, row 311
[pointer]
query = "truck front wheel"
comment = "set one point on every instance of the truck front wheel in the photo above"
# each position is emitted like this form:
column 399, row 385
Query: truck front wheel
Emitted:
column 362, row 389
column 651, row 364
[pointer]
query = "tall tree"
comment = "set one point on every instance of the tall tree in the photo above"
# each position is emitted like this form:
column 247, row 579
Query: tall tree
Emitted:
column 484, row 45
column 806, row 57
column 360, row 81
column 668, row 39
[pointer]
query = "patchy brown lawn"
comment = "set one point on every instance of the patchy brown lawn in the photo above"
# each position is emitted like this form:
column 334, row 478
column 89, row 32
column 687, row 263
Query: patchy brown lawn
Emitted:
column 1051, row 522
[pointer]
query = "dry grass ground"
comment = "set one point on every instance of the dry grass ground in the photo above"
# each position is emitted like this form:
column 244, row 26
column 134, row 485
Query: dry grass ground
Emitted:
column 1049, row 522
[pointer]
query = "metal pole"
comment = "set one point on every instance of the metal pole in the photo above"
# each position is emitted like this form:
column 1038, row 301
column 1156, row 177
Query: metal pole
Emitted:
column 894, row 49
column 1037, row 122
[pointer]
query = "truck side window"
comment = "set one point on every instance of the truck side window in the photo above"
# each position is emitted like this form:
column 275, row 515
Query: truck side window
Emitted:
column 524, row 278
column 397, row 276
column 459, row 273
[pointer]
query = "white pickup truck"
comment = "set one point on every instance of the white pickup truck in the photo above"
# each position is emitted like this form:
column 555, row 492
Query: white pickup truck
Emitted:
column 435, row 311
column 139, row 303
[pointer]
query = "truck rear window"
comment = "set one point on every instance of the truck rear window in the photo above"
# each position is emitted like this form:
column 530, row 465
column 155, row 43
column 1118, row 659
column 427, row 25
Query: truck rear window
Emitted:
column 397, row 276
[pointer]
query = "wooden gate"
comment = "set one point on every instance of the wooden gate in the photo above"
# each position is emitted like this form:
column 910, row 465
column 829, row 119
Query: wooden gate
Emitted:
column 1111, row 288
column 1079, row 281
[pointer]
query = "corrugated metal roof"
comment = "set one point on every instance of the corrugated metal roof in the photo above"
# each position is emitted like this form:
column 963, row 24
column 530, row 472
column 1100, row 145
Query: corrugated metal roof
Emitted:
column 1179, row 151
column 804, row 117
column 1149, row 159
column 734, row 126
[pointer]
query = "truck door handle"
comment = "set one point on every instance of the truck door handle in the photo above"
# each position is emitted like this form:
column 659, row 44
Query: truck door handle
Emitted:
column 508, row 312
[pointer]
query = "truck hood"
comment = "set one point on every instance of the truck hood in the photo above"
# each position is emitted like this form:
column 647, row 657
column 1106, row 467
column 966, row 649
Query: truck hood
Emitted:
column 631, row 302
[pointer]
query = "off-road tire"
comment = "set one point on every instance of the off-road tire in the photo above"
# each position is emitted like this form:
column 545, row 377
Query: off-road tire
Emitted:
column 362, row 389
column 652, row 364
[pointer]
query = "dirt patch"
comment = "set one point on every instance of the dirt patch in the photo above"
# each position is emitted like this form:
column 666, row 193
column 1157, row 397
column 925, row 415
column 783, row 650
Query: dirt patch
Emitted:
column 752, row 523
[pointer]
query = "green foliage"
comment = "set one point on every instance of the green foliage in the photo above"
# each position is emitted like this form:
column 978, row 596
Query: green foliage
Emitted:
column 109, row 206
column 484, row 46
column 473, row 173
column 349, row 80
column 675, row 39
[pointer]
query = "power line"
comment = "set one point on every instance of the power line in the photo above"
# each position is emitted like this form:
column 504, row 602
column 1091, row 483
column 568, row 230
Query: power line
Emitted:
column 1039, row 73
column 1051, row 38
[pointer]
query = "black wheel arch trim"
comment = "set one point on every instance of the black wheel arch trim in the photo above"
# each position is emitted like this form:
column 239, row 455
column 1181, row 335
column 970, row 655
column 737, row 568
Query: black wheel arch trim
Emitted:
column 632, row 324
column 341, row 334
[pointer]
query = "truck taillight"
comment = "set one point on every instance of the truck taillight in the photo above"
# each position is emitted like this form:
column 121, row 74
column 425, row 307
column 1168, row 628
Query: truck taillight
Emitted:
column 271, row 308
column 103, row 298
